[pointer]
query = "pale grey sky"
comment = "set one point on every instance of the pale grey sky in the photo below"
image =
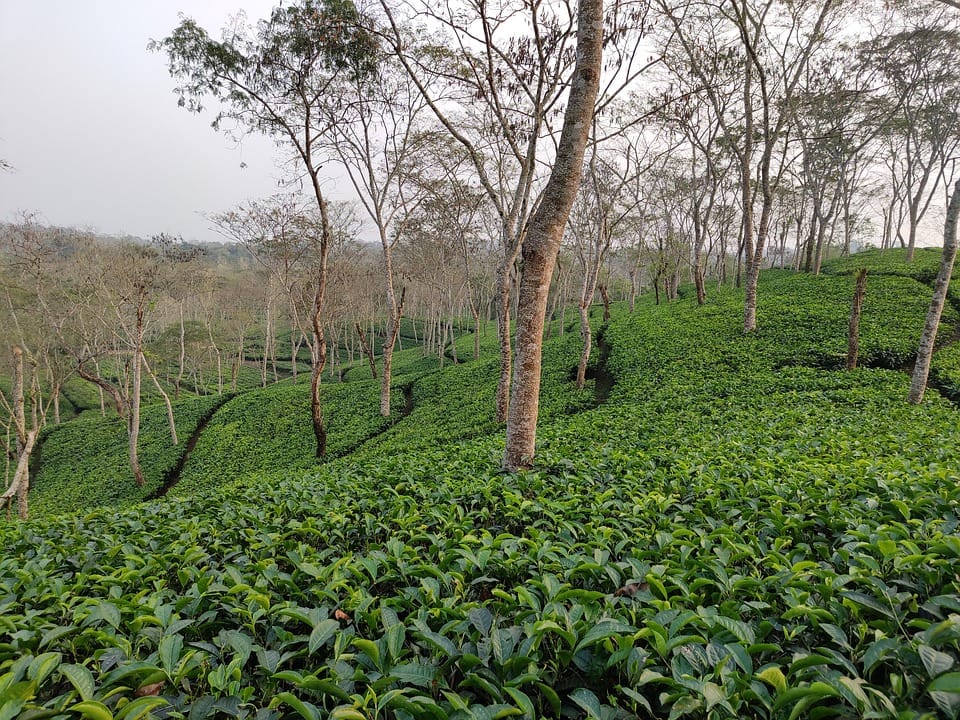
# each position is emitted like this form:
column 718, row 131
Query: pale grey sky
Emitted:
column 90, row 123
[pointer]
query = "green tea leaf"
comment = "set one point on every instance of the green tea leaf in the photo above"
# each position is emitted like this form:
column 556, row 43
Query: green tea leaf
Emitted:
column 81, row 678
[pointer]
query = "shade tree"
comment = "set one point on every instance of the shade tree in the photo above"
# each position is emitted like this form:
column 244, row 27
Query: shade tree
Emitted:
column 283, row 79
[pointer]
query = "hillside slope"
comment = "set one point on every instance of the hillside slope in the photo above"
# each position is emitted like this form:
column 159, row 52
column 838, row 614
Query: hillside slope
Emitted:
column 736, row 529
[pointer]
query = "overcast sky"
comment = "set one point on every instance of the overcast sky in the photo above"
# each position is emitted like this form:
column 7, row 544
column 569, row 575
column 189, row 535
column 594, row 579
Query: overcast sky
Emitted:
column 90, row 123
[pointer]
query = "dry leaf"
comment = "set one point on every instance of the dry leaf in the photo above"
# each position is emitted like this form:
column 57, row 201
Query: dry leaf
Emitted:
column 152, row 689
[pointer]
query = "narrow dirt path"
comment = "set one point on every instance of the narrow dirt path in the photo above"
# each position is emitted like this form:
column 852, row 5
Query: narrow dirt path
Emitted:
column 172, row 476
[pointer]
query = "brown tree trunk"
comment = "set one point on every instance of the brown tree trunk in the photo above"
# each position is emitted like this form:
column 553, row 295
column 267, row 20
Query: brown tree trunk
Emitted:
column 216, row 350
column 605, row 296
column 118, row 402
column 542, row 243
column 503, row 335
column 319, row 338
column 853, row 328
column 365, row 347
column 921, row 369
column 698, row 280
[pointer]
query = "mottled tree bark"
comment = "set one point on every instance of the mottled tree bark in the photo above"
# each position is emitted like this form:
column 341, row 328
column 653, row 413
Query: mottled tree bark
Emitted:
column 921, row 369
column 542, row 243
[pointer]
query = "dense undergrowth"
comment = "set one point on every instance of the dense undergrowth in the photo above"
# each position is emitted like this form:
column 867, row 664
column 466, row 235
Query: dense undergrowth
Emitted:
column 738, row 530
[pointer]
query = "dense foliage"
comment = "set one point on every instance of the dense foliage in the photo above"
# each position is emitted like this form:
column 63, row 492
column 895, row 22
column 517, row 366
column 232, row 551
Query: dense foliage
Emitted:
column 84, row 464
column 735, row 529
column 269, row 431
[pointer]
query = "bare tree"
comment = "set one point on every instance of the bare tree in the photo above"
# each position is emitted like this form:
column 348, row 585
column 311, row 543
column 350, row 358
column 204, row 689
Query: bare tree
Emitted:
column 774, row 47
column 376, row 140
column 282, row 80
column 924, row 91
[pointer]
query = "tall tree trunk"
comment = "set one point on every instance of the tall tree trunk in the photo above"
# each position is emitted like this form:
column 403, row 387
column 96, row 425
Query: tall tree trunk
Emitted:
column 394, row 313
column 266, row 345
column 56, row 403
column 587, row 292
column 181, row 356
column 921, row 369
column 395, row 310
column 853, row 327
column 21, row 476
column 19, row 411
column 746, row 194
column 133, row 422
column 542, row 242
column 503, row 286
column 319, row 338
column 294, row 351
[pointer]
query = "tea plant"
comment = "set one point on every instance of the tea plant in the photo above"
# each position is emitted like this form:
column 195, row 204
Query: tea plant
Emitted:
column 84, row 463
column 736, row 530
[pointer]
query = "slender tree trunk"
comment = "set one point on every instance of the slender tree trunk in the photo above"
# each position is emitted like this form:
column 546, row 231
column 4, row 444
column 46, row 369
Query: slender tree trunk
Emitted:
column 393, row 329
column 19, row 412
column 587, row 292
column 20, row 485
column 853, row 328
column 542, row 243
column 294, row 351
column 235, row 374
column 181, row 355
column 914, row 221
column 166, row 400
column 605, row 296
column 586, row 336
column 746, row 195
column 216, row 350
column 394, row 313
column 56, row 404
column 266, row 347
column 365, row 347
column 319, row 338
column 133, row 422
column 476, row 332
column 503, row 283
column 453, row 342
column 921, row 369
